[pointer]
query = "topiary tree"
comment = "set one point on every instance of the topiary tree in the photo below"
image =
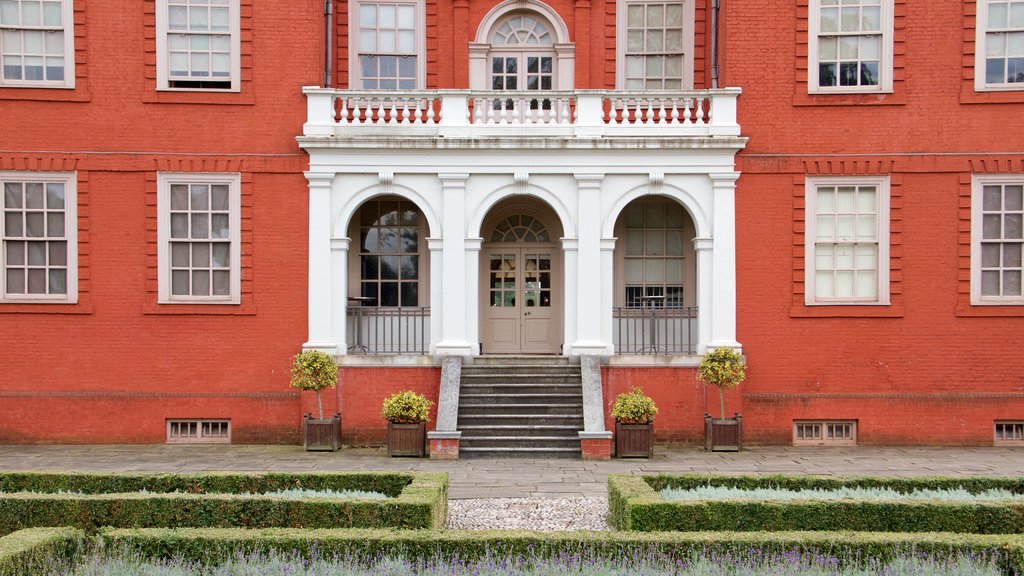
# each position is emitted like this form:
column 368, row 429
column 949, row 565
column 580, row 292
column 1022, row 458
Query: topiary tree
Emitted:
column 406, row 408
column 723, row 368
column 634, row 407
column 314, row 370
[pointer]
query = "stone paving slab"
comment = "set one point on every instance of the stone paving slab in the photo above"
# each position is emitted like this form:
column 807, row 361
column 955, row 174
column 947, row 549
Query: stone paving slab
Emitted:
column 509, row 478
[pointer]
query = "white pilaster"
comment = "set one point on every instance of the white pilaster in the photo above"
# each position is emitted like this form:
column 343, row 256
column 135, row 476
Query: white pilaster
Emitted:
column 723, row 294
column 434, row 245
column 339, row 293
column 607, row 281
column 705, row 283
column 319, row 306
column 453, row 263
column 570, row 262
column 588, row 301
column 472, row 283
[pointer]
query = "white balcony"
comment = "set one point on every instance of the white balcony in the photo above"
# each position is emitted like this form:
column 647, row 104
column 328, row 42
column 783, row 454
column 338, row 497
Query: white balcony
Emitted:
column 467, row 114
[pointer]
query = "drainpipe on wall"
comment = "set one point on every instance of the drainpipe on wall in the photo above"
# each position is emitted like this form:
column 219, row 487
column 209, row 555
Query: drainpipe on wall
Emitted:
column 328, row 56
column 715, row 5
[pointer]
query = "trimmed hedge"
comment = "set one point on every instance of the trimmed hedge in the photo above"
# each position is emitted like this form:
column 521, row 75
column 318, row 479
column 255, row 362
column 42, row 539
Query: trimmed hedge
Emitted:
column 212, row 545
column 33, row 550
column 635, row 504
column 421, row 501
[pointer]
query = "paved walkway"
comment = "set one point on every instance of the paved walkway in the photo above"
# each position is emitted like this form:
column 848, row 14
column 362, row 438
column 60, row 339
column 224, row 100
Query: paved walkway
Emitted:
column 488, row 478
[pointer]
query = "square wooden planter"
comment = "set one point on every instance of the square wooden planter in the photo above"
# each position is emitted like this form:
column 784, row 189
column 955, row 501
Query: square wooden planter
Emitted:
column 321, row 433
column 634, row 440
column 723, row 434
column 407, row 439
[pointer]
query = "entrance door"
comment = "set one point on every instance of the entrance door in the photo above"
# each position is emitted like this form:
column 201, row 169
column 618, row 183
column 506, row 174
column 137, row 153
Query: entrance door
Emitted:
column 519, row 310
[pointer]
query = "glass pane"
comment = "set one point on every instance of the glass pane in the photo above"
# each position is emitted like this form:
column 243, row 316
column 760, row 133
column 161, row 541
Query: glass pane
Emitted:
column 200, row 254
column 844, row 257
column 34, row 225
column 368, row 43
column 997, row 15
column 389, row 267
column 55, row 196
column 410, row 294
column 15, row 253
column 55, row 224
column 179, row 225
column 409, row 240
column 866, row 227
column 1012, row 227
column 867, row 284
column 9, row 12
column 1017, row 15
column 654, row 270
column 200, row 194
column 674, row 270
column 33, row 42
column 200, row 282
column 36, row 253
column 221, row 283
column 368, row 15
column 992, row 198
column 37, row 281
column 15, row 281
column 844, row 287
column 990, row 226
column 674, row 40
column 655, row 215
column 410, row 267
column 635, row 16
column 827, row 48
column 179, row 255
column 34, row 195
column 990, row 283
column 829, row 20
column 824, row 284
column 869, row 47
column 634, row 270
column 221, row 253
column 406, row 41
column 655, row 245
column 58, row 281
column 845, row 196
column 871, row 19
column 200, row 225
column 674, row 242
column 12, row 195
column 1011, row 255
column 990, row 255
column 219, row 19
column 825, row 227
column 867, row 257
column 13, row 224
column 179, row 283
column 198, row 19
column 31, row 16
column 219, row 226
column 389, row 294
column 655, row 40
column 674, row 15
column 1011, row 283
column 866, row 201
column 386, row 41
column 370, row 266
column 844, row 227
column 1012, row 197
column 406, row 16
column 824, row 257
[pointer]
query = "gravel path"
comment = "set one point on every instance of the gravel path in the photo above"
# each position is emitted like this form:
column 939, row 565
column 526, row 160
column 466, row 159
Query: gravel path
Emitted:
column 543, row 514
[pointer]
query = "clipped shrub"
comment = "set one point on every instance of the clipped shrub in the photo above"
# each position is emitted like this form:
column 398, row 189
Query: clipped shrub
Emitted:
column 724, row 369
column 314, row 370
column 635, row 504
column 35, row 550
column 634, row 407
column 406, row 407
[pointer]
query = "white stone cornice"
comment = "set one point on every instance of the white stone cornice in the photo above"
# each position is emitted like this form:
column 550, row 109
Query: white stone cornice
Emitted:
column 723, row 179
column 435, row 244
column 454, row 178
column 340, row 244
column 589, row 180
column 570, row 244
column 319, row 179
column 474, row 244
column 608, row 244
column 703, row 243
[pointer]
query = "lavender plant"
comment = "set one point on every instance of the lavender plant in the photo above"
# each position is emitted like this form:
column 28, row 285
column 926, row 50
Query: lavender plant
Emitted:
column 844, row 493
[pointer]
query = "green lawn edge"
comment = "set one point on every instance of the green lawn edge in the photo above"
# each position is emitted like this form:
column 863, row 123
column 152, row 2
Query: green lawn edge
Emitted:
column 635, row 503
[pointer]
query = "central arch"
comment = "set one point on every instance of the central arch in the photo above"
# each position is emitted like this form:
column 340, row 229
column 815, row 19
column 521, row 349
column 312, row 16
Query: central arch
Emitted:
column 521, row 45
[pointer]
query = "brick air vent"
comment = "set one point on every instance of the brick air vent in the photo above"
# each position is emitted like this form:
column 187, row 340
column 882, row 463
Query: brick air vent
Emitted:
column 1009, row 433
column 199, row 431
column 824, row 433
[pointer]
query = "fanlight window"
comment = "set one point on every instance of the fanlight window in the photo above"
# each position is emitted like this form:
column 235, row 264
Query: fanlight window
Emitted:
column 520, row 228
column 522, row 30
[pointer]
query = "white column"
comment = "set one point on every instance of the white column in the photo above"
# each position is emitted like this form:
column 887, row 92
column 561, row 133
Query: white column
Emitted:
column 588, row 300
column 570, row 291
column 723, row 293
column 339, row 293
column 453, row 263
column 607, row 290
column 434, row 245
column 319, row 308
column 705, row 281
column 472, row 283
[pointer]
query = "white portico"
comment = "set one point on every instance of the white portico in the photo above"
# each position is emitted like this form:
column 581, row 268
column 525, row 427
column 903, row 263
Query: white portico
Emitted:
column 439, row 225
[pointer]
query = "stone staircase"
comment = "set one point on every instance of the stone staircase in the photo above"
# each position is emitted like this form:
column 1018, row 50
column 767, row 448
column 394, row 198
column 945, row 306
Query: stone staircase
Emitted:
column 520, row 406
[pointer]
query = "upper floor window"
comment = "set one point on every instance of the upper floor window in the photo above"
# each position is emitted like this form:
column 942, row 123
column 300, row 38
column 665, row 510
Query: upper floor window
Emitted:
column 37, row 43
column 655, row 44
column 997, row 239
column 198, row 45
column 850, row 46
column 999, row 45
column 522, row 55
column 847, row 241
column 199, row 237
column 388, row 47
column 39, row 232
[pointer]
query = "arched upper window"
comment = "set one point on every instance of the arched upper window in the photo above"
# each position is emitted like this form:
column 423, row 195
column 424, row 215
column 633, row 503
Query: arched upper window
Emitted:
column 521, row 45
column 520, row 228
column 522, row 29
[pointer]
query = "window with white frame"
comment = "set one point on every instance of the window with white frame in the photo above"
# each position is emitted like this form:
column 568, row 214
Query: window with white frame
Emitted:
column 999, row 45
column 40, row 233
column 37, row 44
column 655, row 44
column 198, row 45
column 653, row 259
column 850, row 46
column 389, row 45
column 997, row 238
column 847, row 241
column 389, row 253
column 198, row 234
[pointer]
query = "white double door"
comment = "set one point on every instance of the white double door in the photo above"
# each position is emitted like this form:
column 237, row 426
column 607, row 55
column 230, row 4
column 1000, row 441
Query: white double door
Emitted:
column 521, row 307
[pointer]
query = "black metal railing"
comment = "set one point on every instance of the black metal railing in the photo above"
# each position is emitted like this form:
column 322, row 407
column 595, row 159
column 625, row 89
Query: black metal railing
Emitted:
column 655, row 330
column 377, row 330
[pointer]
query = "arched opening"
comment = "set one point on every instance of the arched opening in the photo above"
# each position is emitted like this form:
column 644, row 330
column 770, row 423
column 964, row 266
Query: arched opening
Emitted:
column 521, row 45
column 655, row 278
column 388, row 278
column 521, row 278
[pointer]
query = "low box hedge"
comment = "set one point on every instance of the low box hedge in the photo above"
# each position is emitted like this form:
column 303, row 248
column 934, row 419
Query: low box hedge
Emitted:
column 212, row 545
column 419, row 500
column 34, row 550
column 636, row 504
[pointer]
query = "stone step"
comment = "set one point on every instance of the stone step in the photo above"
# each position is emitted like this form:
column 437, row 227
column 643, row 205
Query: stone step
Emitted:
column 509, row 389
column 560, row 430
column 519, row 452
column 518, row 442
column 537, row 398
column 495, row 421
column 522, row 369
column 523, row 379
column 497, row 360
column 484, row 408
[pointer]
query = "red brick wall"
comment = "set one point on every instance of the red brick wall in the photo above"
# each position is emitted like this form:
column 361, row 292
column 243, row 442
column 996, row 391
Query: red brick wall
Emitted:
column 361, row 393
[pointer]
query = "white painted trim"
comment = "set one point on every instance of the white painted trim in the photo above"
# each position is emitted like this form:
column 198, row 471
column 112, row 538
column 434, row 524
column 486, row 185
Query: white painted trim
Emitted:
column 70, row 181
column 978, row 182
column 496, row 14
column 550, row 198
column 163, row 203
column 162, row 72
column 689, row 17
column 980, row 29
column 354, row 76
column 885, row 61
column 340, row 224
column 68, row 20
column 881, row 184
column 697, row 212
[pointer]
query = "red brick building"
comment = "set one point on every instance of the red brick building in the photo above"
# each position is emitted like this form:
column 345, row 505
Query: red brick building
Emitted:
column 193, row 192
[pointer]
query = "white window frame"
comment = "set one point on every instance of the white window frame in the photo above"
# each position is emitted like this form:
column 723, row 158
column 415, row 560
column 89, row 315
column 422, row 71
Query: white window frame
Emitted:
column 980, row 48
column 978, row 183
column 885, row 60
column 354, row 69
column 68, row 26
column 164, row 181
column 70, row 181
column 881, row 184
column 163, row 49
column 689, row 16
